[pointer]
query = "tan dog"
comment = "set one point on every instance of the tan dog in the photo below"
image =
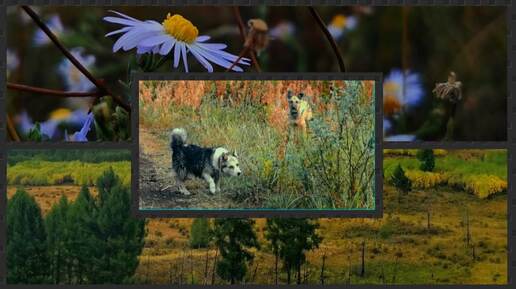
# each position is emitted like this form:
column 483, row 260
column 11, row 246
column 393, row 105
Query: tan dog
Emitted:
column 300, row 111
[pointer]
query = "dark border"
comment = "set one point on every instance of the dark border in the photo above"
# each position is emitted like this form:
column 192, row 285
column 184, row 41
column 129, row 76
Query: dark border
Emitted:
column 377, row 212
column 511, row 116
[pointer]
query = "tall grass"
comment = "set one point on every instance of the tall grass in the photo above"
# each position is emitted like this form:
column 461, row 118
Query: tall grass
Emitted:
column 282, row 167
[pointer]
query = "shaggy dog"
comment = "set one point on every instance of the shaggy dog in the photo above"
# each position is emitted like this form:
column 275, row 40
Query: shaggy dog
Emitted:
column 207, row 163
column 300, row 111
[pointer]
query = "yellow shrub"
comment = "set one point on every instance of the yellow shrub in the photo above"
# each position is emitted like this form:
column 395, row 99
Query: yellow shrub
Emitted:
column 412, row 152
column 426, row 180
column 484, row 186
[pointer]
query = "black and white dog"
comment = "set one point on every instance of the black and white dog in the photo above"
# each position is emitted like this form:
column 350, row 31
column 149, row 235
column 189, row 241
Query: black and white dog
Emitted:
column 207, row 163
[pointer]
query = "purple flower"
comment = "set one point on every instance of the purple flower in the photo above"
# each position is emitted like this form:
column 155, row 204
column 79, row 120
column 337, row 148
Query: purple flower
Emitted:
column 55, row 25
column 74, row 79
column 80, row 136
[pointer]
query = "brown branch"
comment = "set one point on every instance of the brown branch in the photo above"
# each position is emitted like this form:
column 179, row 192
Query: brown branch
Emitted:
column 242, row 53
column 103, row 89
column 11, row 130
column 241, row 28
column 53, row 92
column 330, row 39
column 240, row 22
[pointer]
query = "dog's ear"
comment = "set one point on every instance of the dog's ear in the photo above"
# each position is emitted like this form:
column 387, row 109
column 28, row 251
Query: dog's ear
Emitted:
column 235, row 154
column 301, row 95
column 289, row 94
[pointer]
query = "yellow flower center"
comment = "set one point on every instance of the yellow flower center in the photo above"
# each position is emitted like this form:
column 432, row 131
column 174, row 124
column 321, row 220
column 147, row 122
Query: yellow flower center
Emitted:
column 180, row 28
column 60, row 114
column 339, row 21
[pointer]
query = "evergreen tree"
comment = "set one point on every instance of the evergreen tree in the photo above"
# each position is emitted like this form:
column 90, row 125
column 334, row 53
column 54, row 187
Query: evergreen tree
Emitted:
column 82, row 243
column 401, row 182
column 200, row 233
column 234, row 238
column 292, row 238
column 120, row 237
column 27, row 259
column 57, row 237
column 273, row 235
column 427, row 158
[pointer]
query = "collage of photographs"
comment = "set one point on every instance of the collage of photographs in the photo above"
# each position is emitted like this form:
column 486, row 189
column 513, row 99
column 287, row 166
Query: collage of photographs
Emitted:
column 270, row 145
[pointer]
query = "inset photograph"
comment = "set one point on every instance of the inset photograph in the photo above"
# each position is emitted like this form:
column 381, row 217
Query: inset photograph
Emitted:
column 257, row 144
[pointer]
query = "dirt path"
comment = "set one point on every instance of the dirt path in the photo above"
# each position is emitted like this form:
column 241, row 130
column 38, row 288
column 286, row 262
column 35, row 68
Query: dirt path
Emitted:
column 157, row 187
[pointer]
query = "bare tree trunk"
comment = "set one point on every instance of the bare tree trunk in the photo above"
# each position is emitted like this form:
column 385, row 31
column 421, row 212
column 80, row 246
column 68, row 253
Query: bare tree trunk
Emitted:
column 276, row 268
column 191, row 268
column 468, row 233
column 182, row 268
column 205, row 282
column 322, row 268
column 214, row 269
column 362, row 271
column 255, row 272
column 428, row 220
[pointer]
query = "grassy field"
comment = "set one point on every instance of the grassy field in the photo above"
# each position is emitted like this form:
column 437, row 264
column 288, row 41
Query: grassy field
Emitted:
column 282, row 167
column 49, row 173
column 400, row 248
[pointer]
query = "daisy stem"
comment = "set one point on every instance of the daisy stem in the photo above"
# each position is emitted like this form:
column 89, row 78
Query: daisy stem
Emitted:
column 58, row 93
column 11, row 130
column 330, row 39
column 241, row 28
column 103, row 89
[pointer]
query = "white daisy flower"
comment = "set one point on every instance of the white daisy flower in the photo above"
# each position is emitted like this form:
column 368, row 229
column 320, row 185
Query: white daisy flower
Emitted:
column 175, row 35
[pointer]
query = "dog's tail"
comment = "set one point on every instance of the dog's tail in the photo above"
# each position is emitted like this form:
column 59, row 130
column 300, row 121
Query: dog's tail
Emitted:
column 177, row 138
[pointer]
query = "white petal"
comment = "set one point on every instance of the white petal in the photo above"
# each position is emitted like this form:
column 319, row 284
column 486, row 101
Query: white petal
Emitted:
column 125, row 29
column 215, row 58
column 183, row 52
column 202, row 38
column 177, row 53
column 155, row 40
column 125, row 16
column 167, row 46
column 201, row 59
column 210, row 46
column 122, row 21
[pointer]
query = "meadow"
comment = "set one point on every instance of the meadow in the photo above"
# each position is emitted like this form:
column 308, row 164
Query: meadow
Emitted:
column 55, row 173
column 437, row 235
column 330, row 166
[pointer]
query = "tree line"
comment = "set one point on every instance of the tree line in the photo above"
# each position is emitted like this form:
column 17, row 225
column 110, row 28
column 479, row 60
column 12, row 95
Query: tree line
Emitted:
column 92, row 240
column 289, row 239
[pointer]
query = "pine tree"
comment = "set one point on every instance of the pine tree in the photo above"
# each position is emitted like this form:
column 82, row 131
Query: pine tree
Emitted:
column 57, row 237
column 120, row 237
column 427, row 158
column 401, row 181
column 292, row 239
column 82, row 243
column 200, row 233
column 27, row 257
column 234, row 238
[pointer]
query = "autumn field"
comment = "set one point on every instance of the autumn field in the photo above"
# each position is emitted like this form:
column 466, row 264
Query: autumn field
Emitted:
column 441, row 234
